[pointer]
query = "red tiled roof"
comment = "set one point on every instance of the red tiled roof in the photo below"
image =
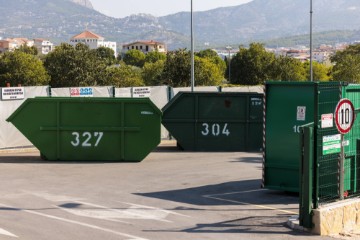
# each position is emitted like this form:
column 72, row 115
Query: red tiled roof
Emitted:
column 87, row 34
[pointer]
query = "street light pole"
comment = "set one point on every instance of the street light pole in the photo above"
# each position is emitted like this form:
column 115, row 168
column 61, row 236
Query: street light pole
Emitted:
column 192, row 50
column 311, row 43
column 229, row 61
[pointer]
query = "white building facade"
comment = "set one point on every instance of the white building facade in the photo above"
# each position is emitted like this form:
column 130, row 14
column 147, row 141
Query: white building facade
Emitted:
column 93, row 40
column 43, row 46
column 145, row 46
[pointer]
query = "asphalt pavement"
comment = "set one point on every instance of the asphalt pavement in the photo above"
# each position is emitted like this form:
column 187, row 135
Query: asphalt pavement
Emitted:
column 172, row 194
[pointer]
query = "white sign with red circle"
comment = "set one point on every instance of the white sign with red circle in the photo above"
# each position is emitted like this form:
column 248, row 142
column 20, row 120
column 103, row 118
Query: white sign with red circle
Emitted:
column 344, row 115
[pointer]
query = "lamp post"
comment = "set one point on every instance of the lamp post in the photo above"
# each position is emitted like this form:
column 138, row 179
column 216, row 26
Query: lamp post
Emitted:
column 229, row 61
column 311, row 54
column 192, row 50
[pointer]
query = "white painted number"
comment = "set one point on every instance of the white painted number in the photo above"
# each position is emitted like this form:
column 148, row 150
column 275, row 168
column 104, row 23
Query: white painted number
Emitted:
column 77, row 141
column 215, row 129
column 296, row 129
column 99, row 135
column 225, row 130
column 86, row 137
column 205, row 132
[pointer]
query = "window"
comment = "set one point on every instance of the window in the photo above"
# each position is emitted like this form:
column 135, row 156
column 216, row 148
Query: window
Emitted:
column 132, row 47
column 141, row 47
column 137, row 47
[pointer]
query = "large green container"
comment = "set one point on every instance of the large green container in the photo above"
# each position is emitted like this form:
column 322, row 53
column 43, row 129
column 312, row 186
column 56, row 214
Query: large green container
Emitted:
column 213, row 121
column 289, row 105
column 102, row 129
column 352, row 148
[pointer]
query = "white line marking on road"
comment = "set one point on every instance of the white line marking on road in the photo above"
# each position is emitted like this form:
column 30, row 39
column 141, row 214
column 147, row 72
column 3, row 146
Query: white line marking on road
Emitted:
column 6, row 233
column 130, row 237
column 54, row 198
column 230, row 193
column 154, row 208
column 129, row 213
column 249, row 204
column 106, row 213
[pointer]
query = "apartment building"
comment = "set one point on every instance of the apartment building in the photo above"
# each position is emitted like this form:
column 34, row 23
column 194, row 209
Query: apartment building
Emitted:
column 43, row 46
column 10, row 44
column 92, row 40
column 145, row 46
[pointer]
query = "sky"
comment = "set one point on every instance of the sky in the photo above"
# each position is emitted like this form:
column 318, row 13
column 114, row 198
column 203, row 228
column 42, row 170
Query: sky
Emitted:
column 158, row 8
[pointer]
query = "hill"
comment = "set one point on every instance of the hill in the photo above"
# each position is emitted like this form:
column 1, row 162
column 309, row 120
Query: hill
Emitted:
column 259, row 20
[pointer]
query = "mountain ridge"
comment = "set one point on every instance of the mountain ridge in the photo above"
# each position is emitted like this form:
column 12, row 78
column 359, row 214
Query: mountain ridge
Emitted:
column 258, row 20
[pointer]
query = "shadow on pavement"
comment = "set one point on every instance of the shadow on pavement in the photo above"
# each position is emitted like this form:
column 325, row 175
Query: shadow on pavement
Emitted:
column 247, row 191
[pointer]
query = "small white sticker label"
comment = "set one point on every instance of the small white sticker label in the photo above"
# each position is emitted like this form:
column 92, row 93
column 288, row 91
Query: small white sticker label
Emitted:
column 327, row 120
column 301, row 113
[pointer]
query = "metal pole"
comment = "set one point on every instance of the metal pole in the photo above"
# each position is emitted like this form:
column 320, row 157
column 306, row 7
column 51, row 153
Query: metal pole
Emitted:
column 192, row 49
column 311, row 43
column 229, row 61
column 341, row 170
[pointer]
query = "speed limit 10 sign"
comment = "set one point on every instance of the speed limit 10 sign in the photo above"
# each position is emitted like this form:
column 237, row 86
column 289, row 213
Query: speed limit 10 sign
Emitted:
column 344, row 115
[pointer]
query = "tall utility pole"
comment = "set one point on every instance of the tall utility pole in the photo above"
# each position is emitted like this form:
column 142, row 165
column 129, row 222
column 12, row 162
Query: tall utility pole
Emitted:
column 311, row 43
column 229, row 62
column 192, row 49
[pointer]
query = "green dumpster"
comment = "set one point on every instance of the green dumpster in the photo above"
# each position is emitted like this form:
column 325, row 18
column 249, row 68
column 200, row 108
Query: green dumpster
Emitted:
column 289, row 105
column 213, row 121
column 101, row 129
column 352, row 140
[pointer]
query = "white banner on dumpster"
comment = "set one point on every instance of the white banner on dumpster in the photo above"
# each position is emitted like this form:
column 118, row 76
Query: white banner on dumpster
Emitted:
column 140, row 92
column 81, row 92
column 12, row 93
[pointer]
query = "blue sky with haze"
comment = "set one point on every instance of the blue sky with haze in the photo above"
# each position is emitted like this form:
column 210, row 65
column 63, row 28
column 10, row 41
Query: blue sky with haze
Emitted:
column 121, row 8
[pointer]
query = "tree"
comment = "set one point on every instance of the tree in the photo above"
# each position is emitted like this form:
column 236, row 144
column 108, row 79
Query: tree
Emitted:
column 152, row 73
column 105, row 54
column 213, row 57
column 288, row 69
column 207, row 73
column 207, row 53
column 208, row 69
column 134, row 57
column 123, row 76
column 347, row 69
column 22, row 68
column 70, row 66
column 29, row 50
column 154, row 56
column 177, row 68
column 251, row 66
column 347, row 64
column 320, row 71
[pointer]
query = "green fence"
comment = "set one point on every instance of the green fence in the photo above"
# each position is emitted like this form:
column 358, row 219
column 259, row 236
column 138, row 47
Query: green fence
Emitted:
column 330, row 168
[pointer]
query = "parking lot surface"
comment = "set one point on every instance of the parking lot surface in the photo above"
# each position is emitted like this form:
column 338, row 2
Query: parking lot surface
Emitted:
column 170, row 195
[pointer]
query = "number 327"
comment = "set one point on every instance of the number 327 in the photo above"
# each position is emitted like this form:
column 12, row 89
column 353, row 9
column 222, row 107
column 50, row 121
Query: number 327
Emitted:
column 84, row 140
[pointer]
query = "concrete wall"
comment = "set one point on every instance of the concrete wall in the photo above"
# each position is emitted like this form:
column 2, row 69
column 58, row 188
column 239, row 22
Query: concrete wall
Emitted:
column 337, row 218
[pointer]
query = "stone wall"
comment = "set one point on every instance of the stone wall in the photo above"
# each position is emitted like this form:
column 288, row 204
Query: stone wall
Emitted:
column 337, row 218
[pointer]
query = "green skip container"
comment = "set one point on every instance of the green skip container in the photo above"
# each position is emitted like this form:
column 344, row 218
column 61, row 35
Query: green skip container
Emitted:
column 213, row 121
column 90, row 129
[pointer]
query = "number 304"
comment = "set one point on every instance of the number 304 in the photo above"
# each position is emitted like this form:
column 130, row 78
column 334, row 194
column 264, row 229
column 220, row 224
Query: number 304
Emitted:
column 215, row 129
column 85, row 139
